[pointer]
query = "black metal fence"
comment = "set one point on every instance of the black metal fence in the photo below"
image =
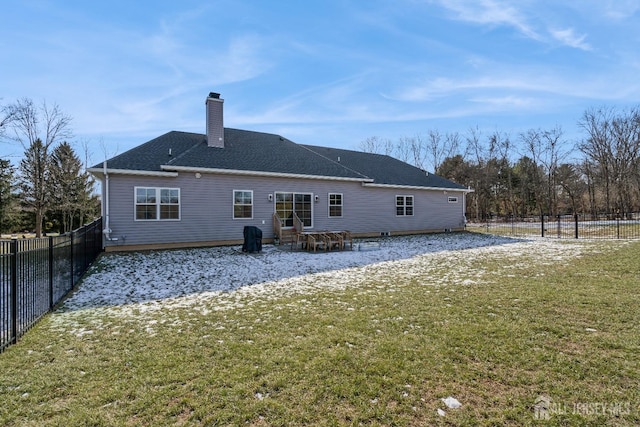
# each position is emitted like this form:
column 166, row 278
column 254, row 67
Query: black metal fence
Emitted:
column 35, row 274
column 577, row 226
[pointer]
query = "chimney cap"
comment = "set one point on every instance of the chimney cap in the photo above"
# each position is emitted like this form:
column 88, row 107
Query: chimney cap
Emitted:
column 214, row 95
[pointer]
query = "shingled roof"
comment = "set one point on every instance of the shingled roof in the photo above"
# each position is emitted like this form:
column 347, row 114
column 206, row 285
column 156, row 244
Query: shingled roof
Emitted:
column 257, row 152
column 385, row 170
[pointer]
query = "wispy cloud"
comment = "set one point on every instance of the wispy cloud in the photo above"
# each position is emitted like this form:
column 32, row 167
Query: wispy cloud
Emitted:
column 571, row 39
column 441, row 87
column 502, row 13
column 490, row 12
column 506, row 102
column 243, row 59
column 333, row 101
column 620, row 9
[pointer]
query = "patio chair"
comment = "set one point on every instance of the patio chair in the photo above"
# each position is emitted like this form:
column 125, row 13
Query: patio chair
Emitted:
column 334, row 240
column 316, row 241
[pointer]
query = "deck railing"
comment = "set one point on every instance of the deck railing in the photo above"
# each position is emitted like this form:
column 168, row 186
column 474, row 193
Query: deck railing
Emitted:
column 277, row 226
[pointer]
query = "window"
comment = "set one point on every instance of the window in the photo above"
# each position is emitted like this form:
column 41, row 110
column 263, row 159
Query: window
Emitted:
column 335, row 205
column 453, row 199
column 242, row 204
column 289, row 203
column 404, row 205
column 154, row 204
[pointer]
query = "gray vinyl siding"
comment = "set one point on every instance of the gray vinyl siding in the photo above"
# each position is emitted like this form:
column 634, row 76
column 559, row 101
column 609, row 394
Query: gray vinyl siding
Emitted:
column 206, row 205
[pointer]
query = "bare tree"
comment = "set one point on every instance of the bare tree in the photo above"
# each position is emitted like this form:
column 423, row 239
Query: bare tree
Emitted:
column 440, row 147
column 597, row 146
column 412, row 150
column 482, row 198
column 417, row 148
column 625, row 146
column 572, row 187
column 547, row 149
column 7, row 115
column 403, row 149
column 612, row 148
column 377, row 145
column 588, row 171
column 553, row 148
column 503, row 148
column 38, row 129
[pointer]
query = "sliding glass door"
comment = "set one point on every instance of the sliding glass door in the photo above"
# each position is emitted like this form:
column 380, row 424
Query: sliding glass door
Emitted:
column 299, row 203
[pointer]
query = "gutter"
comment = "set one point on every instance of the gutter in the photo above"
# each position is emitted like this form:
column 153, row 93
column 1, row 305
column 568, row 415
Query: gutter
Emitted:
column 257, row 173
column 416, row 187
column 131, row 172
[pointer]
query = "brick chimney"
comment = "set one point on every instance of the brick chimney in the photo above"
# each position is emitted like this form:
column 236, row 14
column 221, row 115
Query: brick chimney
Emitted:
column 215, row 126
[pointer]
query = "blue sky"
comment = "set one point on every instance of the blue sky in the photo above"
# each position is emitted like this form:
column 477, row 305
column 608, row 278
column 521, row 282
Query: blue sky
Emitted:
column 331, row 72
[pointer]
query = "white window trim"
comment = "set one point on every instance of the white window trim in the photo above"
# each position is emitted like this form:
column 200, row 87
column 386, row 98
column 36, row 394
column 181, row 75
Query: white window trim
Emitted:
column 158, row 204
column 275, row 198
column 233, row 204
column 329, row 205
column 452, row 199
column 413, row 204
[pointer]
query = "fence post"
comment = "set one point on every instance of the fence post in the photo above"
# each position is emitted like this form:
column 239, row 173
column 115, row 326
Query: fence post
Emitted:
column 71, row 259
column 618, row 226
column 559, row 227
column 14, row 291
column 575, row 216
column 85, row 255
column 542, row 222
column 20, row 306
column 50, row 272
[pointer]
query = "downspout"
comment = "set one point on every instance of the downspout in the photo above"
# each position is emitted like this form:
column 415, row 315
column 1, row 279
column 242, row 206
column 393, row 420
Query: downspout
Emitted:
column 464, row 207
column 107, row 230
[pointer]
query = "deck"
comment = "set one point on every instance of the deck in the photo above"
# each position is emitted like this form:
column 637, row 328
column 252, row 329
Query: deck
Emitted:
column 317, row 240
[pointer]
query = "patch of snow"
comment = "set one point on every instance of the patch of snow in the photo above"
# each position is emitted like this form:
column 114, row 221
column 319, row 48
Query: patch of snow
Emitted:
column 452, row 402
column 140, row 285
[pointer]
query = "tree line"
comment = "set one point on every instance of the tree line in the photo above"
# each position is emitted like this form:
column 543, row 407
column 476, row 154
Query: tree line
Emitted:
column 536, row 172
column 49, row 190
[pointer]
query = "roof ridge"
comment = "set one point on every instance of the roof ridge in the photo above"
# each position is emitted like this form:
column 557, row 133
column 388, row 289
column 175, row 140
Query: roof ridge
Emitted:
column 179, row 156
column 358, row 152
column 308, row 147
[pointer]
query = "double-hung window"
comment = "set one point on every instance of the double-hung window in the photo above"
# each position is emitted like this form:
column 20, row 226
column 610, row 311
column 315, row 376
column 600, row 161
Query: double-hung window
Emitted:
column 335, row 205
column 404, row 205
column 153, row 204
column 242, row 204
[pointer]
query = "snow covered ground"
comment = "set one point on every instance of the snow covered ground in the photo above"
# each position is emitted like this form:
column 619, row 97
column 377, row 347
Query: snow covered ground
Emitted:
column 136, row 285
column 130, row 278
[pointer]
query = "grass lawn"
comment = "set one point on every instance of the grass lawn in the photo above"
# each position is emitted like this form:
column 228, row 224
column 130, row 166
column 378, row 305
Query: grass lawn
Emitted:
column 511, row 329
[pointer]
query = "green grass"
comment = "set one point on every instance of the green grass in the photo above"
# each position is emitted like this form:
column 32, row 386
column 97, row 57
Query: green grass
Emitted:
column 383, row 353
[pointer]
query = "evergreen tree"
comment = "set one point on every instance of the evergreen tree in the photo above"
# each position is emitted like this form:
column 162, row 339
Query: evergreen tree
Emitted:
column 8, row 197
column 34, row 175
column 71, row 188
column 38, row 129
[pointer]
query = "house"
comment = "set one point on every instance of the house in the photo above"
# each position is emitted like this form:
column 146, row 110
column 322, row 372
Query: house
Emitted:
column 187, row 189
